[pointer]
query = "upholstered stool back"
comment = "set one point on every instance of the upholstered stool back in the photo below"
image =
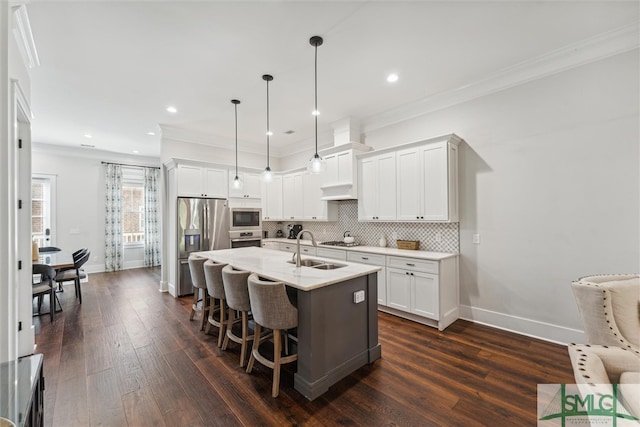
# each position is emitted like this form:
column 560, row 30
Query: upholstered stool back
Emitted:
column 235, row 288
column 270, row 304
column 215, row 288
column 196, row 268
column 213, row 278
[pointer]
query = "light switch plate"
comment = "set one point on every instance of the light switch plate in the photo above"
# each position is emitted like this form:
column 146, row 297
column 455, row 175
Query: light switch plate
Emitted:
column 358, row 297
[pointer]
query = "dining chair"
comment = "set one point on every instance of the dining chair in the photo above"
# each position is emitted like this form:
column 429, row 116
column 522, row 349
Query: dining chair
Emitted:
column 76, row 274
column 45, row 287
column 76, row 256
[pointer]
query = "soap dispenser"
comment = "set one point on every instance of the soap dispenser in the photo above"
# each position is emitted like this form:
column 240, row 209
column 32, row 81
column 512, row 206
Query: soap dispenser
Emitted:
column 382, row 242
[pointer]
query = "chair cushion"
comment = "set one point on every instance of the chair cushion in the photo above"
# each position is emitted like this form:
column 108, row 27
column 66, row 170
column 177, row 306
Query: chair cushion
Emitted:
column 42, row 288
column 630, row 391
column 68, row 275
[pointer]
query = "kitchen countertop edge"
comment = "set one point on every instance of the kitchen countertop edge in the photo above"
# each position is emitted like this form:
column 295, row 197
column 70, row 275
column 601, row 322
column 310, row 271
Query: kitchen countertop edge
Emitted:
column 436, row 256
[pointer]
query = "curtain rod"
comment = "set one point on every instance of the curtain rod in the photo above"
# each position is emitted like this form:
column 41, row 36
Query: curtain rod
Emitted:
column 135, row 166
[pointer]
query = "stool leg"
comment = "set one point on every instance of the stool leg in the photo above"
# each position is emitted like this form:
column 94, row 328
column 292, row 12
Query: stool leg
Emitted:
column 285, row 335
column 196, row 291
column 277, row 349
column 256, row 344
column 245, row 333
column 211, row 310
column 225, row 343
column 222, row 330
column 205, row 308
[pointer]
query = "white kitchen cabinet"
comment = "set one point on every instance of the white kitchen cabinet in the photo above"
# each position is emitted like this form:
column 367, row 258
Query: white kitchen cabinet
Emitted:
column 339, row 254
column 377, row 260
column 271, row 245
column 423, row 290
column 196, row 181
column 288, row 247
column 292, row 197
column 272, row 199
column 377, row 187
column 427, row 183
column 250, row 185
column 313, row 207
column 398, row 289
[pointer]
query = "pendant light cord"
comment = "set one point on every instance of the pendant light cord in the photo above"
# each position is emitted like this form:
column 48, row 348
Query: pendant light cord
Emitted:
column 268, row 131
column 315, row 78
column 235, row 106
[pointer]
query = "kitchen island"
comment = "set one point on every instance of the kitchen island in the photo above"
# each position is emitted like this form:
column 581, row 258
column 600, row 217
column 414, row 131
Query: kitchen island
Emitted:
column 336, row 334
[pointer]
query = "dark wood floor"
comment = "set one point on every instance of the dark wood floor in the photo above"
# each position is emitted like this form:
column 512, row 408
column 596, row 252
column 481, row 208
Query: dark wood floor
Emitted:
column 128, row 356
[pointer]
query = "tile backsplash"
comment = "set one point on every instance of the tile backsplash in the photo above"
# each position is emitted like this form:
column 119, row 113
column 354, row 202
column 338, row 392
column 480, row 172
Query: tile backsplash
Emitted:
column 369, row 233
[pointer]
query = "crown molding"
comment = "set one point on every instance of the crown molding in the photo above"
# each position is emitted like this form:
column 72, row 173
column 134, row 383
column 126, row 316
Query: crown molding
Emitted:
column 214, row 140
column 92, row 153
column 593, row 49
column 209, row 139
column 24, row 36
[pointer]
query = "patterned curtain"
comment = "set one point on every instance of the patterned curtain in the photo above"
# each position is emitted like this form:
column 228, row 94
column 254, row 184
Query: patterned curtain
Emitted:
column 151, row 218
column 113, row 218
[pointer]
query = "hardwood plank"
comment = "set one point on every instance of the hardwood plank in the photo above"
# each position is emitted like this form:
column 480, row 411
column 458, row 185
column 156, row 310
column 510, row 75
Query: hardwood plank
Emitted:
column 70, row 402
column 141, row 409
column 205, row 398
column 104, row 399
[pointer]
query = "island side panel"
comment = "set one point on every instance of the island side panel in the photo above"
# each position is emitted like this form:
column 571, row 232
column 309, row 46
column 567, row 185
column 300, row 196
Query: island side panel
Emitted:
column 336, row 336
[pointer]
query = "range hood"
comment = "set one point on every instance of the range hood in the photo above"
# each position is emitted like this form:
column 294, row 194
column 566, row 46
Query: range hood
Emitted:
column 341, row 175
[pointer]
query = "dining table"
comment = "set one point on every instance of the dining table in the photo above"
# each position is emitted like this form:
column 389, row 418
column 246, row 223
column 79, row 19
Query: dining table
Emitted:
column 57, row 260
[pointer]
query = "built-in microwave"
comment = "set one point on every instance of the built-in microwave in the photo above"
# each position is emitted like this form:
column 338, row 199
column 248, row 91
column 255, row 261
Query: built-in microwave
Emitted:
column 246, row 219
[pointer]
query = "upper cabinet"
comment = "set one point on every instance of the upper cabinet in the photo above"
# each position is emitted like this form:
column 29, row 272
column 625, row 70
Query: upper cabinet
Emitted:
column 425, row 178
column 196, row 181
column 377, row 189
column 340, row 179
column 301, row 198
column 272, row 199
column 250, row 185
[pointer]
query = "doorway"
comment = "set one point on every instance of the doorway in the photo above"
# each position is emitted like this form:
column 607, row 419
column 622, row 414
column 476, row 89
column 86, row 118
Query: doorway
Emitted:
column 43, row 196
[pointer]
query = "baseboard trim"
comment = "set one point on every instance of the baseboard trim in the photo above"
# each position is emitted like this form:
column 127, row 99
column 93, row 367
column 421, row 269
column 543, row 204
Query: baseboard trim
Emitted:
column 520, row 325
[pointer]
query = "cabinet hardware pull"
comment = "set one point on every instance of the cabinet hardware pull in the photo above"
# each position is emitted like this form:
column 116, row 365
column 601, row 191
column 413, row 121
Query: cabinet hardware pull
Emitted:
column 364, row 257
column 411, row 265
column 412, row 274
column 407, row 273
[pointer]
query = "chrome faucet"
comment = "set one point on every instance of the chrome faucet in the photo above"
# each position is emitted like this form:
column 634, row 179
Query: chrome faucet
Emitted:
column 296, row 254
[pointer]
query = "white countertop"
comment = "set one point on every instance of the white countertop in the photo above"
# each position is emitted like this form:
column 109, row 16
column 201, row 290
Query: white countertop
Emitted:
column 272, row 264
column 435, row 256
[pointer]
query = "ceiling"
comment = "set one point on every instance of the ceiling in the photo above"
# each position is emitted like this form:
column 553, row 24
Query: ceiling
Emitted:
column 110, row 69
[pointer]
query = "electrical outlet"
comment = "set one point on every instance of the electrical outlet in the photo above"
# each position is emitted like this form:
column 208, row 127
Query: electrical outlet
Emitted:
column 438, row 237
column 476, row 239
column 358, row 297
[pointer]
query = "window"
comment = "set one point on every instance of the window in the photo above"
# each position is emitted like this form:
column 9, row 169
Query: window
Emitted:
column 41, row 209
column 133, row 213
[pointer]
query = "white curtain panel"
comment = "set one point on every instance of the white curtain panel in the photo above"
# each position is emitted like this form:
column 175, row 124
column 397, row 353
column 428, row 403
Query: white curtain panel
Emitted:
column 113, row 218
column 151, row 218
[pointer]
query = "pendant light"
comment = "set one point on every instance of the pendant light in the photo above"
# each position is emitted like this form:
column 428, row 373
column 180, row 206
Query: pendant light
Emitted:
column 316, row 163
column 237, row 183
column 267, row 175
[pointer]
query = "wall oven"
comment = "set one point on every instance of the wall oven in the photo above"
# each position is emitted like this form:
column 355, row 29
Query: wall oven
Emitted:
column 243, row 239
column 245, row 227
column 245, row 219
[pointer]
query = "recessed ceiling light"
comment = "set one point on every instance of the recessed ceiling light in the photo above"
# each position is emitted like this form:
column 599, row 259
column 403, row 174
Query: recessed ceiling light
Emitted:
column 172, row 109
column 88, row 135
column 135, row 151
column 391, row 78
column 151, row 133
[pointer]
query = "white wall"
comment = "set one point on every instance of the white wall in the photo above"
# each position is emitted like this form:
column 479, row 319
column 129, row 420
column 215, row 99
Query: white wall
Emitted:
column 549, row 179
column 80, row 199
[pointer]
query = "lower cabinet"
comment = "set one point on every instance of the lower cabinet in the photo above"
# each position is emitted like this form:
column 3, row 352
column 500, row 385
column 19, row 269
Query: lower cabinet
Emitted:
column 423, row 290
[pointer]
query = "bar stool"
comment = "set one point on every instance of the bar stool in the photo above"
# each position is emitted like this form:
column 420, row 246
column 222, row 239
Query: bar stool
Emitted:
column 237, row 298
column 196, row 268
column 215, row 287
column 271, row 309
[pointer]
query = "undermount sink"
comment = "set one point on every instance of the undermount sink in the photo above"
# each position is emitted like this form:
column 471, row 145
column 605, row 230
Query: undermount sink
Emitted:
column 328, row 266
column 307, row 262
column 320, row 265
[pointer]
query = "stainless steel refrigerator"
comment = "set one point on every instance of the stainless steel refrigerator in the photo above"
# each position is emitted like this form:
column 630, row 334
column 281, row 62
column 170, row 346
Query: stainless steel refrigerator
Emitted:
column 203, row 225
